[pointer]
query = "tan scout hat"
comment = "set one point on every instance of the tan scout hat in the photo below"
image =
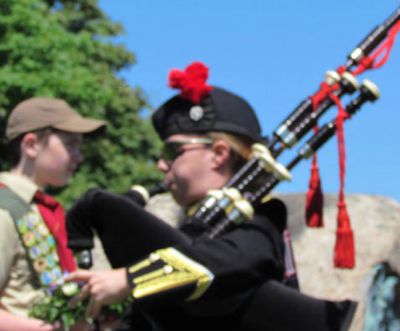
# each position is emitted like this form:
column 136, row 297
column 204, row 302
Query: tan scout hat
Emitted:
column 39, row 113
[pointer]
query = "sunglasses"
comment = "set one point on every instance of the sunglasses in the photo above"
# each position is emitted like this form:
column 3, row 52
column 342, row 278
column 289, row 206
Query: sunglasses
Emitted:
column 172, row 149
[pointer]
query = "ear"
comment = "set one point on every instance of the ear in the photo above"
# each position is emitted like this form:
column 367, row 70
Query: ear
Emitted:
column 222, row 152
column 30, row 145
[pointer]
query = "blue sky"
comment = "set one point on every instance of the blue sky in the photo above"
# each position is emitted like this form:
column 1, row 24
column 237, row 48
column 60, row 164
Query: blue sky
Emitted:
column 275, row 54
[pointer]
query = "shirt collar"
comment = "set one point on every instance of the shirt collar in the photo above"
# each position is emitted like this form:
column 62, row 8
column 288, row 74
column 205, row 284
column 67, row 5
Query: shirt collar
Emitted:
column 19, row 184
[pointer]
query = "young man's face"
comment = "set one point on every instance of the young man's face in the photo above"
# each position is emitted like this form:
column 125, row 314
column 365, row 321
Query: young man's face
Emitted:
column 58, row 156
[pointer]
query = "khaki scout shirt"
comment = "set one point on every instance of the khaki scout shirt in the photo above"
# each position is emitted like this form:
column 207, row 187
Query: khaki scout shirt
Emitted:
column 17, row 294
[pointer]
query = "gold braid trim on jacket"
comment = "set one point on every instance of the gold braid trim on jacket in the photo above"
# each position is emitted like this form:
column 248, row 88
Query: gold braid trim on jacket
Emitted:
column 168, row 270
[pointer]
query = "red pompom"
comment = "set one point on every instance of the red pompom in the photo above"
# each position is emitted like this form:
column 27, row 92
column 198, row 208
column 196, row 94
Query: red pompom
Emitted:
column 191, row 81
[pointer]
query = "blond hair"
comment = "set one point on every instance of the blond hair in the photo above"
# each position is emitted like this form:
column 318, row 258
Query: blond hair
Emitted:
column 241, row 147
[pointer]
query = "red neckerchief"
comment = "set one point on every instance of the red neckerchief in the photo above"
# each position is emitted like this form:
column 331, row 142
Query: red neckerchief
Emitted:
column 54, row 216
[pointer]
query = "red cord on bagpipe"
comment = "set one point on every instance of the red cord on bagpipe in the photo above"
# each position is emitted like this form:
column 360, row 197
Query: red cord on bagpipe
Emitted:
column 315, row 197
column 344, row 256
column 371, row 62
column 344, row 246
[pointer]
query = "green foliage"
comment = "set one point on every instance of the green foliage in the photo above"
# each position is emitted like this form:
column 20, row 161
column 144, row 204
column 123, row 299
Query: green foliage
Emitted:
column 65, row 49
column 56, row 308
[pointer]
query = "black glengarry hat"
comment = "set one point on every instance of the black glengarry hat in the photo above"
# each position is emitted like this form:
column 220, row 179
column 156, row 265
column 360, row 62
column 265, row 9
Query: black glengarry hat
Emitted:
column 201, row 108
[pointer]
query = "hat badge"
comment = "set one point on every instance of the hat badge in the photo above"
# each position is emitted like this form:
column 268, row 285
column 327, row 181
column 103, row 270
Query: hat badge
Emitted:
column 196, row 113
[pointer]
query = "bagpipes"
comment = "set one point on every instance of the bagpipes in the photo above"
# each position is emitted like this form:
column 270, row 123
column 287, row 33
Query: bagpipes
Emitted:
column 235, row 203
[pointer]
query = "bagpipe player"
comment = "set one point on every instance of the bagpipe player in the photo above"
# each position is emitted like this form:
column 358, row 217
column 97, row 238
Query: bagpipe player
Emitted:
column 182, row 278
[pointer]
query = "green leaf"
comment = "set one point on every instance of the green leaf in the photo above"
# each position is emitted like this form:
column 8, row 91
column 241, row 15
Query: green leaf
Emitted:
column 55, row 308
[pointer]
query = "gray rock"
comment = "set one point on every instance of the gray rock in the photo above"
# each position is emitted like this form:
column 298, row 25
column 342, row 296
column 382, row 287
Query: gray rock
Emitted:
column 376, row 224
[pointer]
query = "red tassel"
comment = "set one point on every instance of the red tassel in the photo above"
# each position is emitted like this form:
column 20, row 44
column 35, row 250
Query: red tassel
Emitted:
column 314, row 198
column 344, row 246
